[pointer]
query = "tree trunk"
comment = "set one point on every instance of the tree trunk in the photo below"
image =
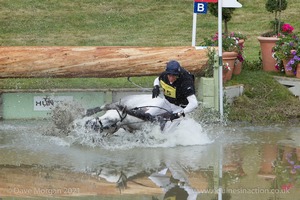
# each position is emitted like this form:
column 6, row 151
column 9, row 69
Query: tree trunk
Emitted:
column 76, row 61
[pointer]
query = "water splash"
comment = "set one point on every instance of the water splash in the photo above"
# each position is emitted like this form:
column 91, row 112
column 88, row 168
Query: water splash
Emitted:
column 188, row 133
column 64, row 114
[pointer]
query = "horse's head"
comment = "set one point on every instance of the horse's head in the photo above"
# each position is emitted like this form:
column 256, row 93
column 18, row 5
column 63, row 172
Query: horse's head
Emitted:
column 119, row 116
column 110, row 121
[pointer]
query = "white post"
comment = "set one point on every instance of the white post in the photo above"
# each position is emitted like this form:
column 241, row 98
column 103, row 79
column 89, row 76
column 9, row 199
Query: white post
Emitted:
column 223, row 4
column 220, row 44
column 194, row 29
column 227, row 4
column 220, row 192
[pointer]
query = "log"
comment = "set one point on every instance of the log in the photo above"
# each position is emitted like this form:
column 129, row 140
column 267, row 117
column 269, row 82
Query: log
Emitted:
column 101, row 62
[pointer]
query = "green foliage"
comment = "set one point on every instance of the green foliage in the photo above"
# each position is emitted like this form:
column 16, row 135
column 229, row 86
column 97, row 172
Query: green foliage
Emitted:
column 226, row 14
column 238, row 35
column 209, row 68
column 229, row 43
column 276, row 6
column 255, row 65
column 69, row 83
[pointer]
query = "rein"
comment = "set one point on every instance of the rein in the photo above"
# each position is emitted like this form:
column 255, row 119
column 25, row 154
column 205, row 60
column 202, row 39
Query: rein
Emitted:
column 122, row 109
column 140, row 107
column 153, row 107
column 122, row 117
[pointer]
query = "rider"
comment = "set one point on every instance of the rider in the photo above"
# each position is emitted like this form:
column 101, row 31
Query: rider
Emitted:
column 178, row 88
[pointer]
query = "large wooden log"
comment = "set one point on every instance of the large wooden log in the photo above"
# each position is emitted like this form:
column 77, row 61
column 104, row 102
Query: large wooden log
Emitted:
column 87, row 61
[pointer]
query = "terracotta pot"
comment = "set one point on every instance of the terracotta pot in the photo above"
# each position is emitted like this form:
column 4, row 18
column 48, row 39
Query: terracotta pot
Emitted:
column 298, row 71
column 229, row 57
column 227, row 76
column 237, row 67
column 266, row 45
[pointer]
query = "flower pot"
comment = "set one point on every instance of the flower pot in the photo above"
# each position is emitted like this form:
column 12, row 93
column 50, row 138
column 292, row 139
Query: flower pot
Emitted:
column 237, row 67
column 266, row 45
column 227, row 76
column 298, row 71
column 287, row 71
column 238, row 64
column 229, row 57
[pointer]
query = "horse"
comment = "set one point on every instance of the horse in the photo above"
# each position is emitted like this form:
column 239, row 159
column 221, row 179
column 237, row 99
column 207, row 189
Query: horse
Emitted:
column 131, row 113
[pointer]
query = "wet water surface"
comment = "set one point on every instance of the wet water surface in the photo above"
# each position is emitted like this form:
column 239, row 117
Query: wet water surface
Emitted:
column 196, row 161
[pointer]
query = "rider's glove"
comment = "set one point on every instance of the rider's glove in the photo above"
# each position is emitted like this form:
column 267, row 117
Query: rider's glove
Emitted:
column 177, row 115
column 155, row 91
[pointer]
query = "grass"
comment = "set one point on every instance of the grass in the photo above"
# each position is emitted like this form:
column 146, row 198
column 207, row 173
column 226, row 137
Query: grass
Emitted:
column 147, row 23
column 264, row 100
column 78, row 83
column 127, row 23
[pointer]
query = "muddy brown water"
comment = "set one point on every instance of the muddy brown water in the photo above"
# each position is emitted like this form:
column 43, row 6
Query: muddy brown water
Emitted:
column 246, row 162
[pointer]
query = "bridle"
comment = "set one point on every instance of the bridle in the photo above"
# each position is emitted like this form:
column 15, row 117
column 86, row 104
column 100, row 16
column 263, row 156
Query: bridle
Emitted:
column 123, row 113
column 122, row 117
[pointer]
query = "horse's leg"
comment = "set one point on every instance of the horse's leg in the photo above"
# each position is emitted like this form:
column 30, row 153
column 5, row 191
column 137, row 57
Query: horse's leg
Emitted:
column 141, row 114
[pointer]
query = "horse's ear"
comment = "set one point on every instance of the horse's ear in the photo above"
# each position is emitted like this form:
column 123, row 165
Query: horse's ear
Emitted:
column 124, row 111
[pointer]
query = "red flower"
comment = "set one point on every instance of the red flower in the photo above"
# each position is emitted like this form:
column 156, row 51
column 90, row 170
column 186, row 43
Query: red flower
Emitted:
column 287, row 28
column 287, row 187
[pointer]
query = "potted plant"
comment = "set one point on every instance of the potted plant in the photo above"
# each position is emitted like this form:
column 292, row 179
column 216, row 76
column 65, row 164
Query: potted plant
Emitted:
column 294, row 62
column 230, row 47
column 211, row 63
column 287, row 52
column 229, row 43
column 240, row 57
column 240, row 38
column 267, row 40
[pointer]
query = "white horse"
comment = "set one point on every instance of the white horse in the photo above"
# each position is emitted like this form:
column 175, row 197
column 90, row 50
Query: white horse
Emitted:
column 131, row 113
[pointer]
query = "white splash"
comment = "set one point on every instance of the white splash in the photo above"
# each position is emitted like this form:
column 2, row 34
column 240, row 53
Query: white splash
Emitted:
column 187, row 133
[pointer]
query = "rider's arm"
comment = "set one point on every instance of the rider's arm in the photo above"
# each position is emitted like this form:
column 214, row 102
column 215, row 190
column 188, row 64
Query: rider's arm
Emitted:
column 156, row 82
column 155, row 91
column 192, row 105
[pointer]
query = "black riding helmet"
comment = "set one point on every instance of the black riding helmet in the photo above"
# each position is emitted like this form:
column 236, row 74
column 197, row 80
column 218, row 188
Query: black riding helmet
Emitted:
column 173, row 67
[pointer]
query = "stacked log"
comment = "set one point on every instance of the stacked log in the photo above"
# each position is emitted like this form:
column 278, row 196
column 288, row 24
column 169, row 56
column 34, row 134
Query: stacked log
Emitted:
column 93, row 61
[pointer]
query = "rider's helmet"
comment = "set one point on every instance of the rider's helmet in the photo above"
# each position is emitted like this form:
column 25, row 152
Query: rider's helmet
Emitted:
column 173, row 67
column 176, row 193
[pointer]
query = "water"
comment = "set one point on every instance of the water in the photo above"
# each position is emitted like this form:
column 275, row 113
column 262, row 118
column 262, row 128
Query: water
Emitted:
column 84, row 165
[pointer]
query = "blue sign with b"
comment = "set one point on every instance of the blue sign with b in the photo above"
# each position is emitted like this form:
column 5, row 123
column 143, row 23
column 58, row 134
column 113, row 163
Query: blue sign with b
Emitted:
column 200, row 7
